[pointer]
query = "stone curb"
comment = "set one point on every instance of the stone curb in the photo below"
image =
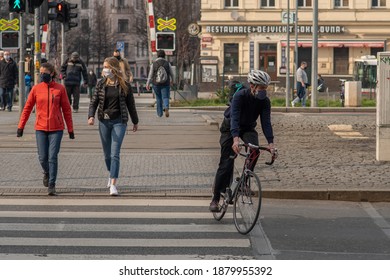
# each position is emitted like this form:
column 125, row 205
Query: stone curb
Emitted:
column 331, row 195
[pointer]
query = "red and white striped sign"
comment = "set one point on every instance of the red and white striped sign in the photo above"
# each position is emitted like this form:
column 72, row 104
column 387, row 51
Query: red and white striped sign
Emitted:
column 44, row 38
column 152, row 26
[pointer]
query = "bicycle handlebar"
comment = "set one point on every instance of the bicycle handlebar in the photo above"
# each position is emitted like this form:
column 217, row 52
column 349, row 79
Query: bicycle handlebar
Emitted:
column 273, row 152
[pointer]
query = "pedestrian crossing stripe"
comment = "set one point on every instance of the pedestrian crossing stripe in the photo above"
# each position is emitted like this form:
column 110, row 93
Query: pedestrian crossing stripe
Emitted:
column 148, row 234
column 123, row 242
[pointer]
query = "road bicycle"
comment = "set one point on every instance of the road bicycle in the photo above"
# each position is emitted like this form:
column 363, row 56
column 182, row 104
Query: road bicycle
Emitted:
column 245, row 192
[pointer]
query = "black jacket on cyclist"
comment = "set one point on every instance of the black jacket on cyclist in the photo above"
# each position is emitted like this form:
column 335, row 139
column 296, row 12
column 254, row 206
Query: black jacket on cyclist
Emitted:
column 244, row 111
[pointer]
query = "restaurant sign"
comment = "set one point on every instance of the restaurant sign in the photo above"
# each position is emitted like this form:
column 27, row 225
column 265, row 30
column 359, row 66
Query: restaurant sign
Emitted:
column 241, row 29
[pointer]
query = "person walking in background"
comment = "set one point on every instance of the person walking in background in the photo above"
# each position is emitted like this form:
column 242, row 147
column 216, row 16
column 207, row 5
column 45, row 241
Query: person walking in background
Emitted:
column 28, row 83
column 161, row 75
column 124, row 65
column 72, row 71
column 113, row 99
column 302, row 82
column 92, row 80
column 8, row 79
column 52, row 107
column 240, row 120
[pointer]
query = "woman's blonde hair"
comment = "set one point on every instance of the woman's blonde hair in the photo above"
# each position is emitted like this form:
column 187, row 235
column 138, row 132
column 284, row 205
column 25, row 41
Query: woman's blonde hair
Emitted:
column 113, row 63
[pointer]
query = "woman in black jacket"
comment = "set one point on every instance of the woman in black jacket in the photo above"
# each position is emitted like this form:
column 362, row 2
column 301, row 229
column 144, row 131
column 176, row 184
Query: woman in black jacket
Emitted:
column 114, row 100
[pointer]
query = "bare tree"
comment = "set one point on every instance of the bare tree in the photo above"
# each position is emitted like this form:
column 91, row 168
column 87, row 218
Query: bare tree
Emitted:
column 100, row 42
column 187, row 47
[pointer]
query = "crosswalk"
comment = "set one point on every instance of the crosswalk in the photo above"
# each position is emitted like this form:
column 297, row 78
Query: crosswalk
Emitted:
column 117, row 228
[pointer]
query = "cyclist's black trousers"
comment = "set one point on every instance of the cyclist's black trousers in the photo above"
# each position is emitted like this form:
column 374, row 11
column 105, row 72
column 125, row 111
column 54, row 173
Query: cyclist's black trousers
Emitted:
column 225, row 170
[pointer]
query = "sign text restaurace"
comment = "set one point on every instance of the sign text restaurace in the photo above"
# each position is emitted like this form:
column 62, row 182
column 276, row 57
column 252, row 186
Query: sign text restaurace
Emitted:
column 271, row 29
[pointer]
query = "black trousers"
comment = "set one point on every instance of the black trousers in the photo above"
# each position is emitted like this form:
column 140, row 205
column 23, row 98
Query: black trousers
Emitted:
column 75, row 91
column 224, row 175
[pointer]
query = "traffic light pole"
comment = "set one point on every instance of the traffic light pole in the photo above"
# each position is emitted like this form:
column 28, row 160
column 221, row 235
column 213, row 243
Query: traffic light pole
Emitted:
column 63, row 54
column 22, row 47
column 37, row 46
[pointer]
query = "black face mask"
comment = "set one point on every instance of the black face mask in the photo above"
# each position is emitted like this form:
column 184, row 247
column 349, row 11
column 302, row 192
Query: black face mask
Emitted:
column 118, row 57
column 46, row 78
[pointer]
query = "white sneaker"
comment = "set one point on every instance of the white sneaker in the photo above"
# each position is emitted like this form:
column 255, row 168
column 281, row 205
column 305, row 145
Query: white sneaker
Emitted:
column 113, row 190
column 292, row 104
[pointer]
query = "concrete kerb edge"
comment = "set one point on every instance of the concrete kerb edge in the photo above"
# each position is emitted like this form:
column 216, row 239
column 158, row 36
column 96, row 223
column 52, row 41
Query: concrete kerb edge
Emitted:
column 304, row 194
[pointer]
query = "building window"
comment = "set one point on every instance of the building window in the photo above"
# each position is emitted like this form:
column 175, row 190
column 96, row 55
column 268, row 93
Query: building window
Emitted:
column 137, row 49
column 231, row 58
column 144, row 46
column 84, row 4
column 84, row 25
column 340, row 58
column 231, row 3
column 267, row 3
column 126, row 50
column 123, row 25
column 341, row 3
column 121, row 3
column 304, row 3
column 378, row 3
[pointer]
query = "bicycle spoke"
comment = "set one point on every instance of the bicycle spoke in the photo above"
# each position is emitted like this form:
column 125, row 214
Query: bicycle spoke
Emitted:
column 247, row 203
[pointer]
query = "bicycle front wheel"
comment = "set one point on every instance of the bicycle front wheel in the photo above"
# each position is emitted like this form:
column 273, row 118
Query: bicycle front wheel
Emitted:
column 247, row 203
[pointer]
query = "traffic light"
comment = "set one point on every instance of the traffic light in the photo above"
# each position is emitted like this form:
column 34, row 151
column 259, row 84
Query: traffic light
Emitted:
column 70, row 14
column 51, row 5
column 61, row 11
column 165, row 41
column 17, row 6
column 32, row 4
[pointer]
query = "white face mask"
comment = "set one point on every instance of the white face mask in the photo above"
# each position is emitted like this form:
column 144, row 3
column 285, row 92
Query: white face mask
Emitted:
column 107, row 73
column 7, row 57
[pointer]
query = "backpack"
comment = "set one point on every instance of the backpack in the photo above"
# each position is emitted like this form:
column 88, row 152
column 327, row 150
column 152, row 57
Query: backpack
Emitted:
column 160, row 73
column 234, row 87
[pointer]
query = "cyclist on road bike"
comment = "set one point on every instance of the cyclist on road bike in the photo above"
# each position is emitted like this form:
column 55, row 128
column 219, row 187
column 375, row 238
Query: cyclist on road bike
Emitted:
column 240, row 122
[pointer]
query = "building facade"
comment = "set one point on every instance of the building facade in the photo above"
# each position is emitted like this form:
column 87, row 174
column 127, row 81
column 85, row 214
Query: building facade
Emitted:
column 121, row 22
column 240, row 35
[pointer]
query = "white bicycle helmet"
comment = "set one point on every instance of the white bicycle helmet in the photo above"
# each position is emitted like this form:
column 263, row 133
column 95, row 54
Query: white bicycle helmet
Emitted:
column 258, row 77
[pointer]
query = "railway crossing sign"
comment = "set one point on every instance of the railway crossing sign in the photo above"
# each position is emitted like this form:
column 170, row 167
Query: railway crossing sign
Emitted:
column 12, row 24
column 166, row 24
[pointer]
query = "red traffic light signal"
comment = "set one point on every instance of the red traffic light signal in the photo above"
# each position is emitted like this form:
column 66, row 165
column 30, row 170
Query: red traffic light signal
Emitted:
column 61, row 11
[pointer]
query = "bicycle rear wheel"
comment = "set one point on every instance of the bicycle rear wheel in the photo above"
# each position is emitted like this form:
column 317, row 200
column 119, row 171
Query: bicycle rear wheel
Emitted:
column 247, row 203
column 223, row 205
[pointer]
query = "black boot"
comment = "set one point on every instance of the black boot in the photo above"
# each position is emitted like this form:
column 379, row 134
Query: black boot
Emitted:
column 51, row 190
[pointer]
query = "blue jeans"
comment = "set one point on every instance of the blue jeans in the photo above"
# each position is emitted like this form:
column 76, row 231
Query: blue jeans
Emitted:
column 162, row 98
column 48, row 144
column 301, row 94
column 7, row 95
column 28, row 89
column 112, row 133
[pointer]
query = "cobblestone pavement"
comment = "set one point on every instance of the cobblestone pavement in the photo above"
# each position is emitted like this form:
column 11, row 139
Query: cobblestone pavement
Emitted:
column 333, row 153
column 321, row 156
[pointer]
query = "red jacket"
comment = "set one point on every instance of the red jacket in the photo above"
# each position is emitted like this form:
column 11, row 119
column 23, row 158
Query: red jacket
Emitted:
column 51, row 102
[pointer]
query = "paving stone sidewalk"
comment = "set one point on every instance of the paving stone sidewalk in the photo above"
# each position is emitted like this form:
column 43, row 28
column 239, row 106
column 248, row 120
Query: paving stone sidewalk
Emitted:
column 179, row 156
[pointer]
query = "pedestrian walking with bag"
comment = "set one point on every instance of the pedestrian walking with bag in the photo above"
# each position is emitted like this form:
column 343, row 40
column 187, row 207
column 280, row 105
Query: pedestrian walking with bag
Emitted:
column 114, row 101
column 161, row 76
column 52, row 107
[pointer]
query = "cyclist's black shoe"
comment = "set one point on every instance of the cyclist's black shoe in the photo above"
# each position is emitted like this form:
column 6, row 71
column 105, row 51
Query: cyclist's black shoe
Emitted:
column 214, row 206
